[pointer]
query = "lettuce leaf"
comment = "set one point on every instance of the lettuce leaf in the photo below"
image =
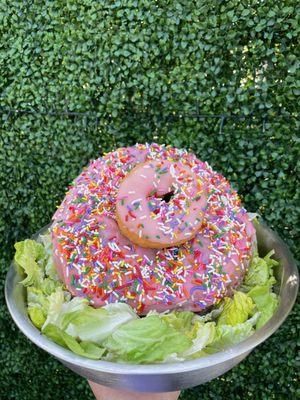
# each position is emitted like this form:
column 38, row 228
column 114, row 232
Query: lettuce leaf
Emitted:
column 96, row 324
column 211, row 316
column 50, row 269
column 37, row 297
column 146, row 340
column 202, row 335
column 49, row 286
column 258, row 283
column 260, row 271
column 228, row 335
column 81, row 321
column 55, row 302
column 38, row 306
column 33, row 259
column 30, row 257
column 236, row 310
column 85, row 349
column 37, row 316
column 180, row 320
column 265, row 301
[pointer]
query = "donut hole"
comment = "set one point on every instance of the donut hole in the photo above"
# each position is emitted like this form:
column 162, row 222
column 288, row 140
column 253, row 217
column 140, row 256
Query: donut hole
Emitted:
column 167, row 197
column 175, row 252
column 157, row 200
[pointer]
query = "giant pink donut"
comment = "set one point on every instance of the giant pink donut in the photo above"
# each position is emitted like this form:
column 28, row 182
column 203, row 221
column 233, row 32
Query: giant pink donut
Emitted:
column 97, row 262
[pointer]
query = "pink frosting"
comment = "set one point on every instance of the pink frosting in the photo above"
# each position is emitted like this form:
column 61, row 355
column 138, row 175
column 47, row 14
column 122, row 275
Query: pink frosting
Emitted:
column 96, row 261
column 144, row 213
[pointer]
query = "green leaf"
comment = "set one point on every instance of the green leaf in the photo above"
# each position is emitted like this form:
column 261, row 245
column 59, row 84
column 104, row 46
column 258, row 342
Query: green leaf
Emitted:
column 260, row 271
column 236, row 310
column 180, row 320
column 60, row 305
column 265, row 301
column 85, row 349
column 90, row 324
column 55, row 303
column 37, row 315
column 30, row 257
column 202, row 335
column 228, row 335
column 146, row 340
column 50, row 269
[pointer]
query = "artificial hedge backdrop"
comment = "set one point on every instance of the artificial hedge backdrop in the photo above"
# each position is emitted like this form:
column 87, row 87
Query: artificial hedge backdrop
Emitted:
column 218, row 77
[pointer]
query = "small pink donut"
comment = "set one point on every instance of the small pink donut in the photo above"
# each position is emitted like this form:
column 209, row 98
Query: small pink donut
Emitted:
column 146, row 218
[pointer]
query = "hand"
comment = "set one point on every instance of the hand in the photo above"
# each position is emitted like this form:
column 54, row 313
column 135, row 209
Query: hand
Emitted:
column 106, row 393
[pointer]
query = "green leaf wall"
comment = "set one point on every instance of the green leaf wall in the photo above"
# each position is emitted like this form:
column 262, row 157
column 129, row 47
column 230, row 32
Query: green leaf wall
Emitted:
column 95, row 75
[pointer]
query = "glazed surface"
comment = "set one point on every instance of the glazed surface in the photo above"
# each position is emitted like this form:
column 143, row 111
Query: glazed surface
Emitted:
column 143, row 214
column 96, row 261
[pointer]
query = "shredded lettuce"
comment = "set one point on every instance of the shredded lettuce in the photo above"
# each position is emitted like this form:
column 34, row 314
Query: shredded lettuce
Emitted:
column 116, row 333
